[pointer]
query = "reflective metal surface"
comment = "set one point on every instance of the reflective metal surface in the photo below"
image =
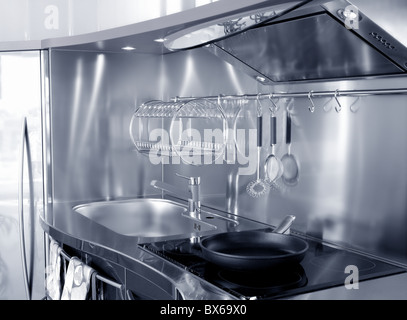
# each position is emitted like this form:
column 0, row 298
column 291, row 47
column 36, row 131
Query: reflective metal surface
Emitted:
column 352, row 164
column 389, row 15
column 215, row 30
column 42, row 20
column 346, row 193
column 84, row 234
column 92, row 99
column 146, row 218
column 315, row 44
column 303, row 50
column 321, row 268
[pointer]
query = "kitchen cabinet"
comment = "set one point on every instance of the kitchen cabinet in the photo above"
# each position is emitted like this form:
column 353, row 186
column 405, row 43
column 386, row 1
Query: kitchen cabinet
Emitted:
column 145, row 287
column 138, row 282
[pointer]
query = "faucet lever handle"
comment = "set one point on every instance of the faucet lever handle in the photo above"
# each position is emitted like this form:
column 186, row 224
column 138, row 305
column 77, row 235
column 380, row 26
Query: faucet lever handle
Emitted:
column 192, row 180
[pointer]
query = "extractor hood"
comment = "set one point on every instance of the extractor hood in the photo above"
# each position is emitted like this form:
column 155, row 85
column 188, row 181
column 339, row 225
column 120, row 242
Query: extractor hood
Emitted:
column 317, row 41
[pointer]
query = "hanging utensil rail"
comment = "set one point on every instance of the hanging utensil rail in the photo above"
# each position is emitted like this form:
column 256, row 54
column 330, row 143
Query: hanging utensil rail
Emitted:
column 334, row 93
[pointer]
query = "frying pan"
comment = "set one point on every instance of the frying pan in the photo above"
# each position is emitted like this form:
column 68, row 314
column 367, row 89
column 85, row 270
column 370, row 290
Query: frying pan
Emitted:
column 254, row 250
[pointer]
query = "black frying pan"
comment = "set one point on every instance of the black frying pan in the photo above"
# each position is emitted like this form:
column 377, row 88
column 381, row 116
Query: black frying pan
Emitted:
column 254, row 250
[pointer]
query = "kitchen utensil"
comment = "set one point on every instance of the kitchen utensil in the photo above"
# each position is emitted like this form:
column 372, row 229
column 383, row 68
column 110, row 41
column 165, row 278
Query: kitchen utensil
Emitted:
column 241, row 123
column 254, row 250
column 258, row 187
column 273, row 166
column 291, row 171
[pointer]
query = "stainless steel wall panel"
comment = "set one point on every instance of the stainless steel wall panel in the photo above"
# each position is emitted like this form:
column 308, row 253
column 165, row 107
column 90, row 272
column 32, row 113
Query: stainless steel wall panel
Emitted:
column 93, row 99
column 198, row 73
column 352, row 163
column 352, row 181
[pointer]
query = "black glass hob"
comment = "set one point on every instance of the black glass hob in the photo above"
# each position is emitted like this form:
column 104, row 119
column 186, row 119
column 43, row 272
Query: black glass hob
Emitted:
column 322, row 267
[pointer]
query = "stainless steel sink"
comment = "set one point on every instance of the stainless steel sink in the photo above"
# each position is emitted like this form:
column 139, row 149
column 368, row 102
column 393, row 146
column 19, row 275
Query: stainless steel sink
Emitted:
column 146, row 218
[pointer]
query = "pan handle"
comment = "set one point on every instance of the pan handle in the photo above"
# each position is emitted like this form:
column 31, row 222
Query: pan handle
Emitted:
column 285, row 224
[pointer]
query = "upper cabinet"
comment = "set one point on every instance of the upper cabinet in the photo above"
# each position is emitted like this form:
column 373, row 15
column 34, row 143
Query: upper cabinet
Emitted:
column 26, row 20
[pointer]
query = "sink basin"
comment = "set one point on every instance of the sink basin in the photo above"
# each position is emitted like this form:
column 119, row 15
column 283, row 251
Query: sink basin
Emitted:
column 143, row 217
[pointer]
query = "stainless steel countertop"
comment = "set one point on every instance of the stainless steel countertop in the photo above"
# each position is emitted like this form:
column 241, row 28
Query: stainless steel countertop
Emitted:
column 387, row 288
column 83, row 234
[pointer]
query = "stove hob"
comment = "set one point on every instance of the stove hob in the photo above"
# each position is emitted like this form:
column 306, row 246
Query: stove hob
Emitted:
column 257, row 284
column 322, row 267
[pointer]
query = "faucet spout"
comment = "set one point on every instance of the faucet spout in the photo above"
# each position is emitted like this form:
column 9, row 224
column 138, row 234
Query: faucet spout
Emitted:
column 170, row 188
column 193, row 194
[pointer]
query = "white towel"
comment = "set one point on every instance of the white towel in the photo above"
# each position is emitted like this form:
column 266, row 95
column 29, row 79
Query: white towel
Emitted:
column 77, row 280
column 53, row 272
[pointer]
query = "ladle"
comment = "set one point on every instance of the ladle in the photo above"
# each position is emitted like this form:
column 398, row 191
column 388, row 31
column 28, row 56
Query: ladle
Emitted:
column 291, row 171
column 273, row 167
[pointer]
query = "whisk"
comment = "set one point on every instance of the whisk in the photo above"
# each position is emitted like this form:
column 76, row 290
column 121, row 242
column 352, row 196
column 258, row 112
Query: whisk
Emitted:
column 258, row 187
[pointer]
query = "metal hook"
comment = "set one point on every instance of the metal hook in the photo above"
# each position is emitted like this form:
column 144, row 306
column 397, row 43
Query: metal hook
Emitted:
column 274, row 109
column 241, row 102
column 245, row 99
column 259, row 105
column 338, row 108
column 352, row 108
column 312, row 107
column 290, row 106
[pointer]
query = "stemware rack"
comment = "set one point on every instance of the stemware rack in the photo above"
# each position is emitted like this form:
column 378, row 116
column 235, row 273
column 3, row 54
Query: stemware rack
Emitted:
column 186, row 112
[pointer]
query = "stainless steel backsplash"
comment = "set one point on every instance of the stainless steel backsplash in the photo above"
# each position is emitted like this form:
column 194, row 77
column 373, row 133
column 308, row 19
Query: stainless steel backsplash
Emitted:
column 353, row 164
column 93, row 97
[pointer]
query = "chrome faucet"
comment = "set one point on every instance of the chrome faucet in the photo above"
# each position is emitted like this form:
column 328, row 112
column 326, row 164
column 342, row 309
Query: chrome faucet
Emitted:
column 193, row 194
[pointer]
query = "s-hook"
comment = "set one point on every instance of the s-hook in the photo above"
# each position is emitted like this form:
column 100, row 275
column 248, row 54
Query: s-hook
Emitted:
column 312, row 106
column 220, row 100
column 259, row 105
column 353, row 107
column 273, row 109
column 338, row 108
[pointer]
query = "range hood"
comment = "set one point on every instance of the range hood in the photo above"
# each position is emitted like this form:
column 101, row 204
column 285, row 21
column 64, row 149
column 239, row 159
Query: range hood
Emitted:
column 317, row 41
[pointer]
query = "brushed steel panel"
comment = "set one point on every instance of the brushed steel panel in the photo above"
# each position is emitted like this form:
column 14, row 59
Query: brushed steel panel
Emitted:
column 93, row 99
column 353, row 164
column 308, row 48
